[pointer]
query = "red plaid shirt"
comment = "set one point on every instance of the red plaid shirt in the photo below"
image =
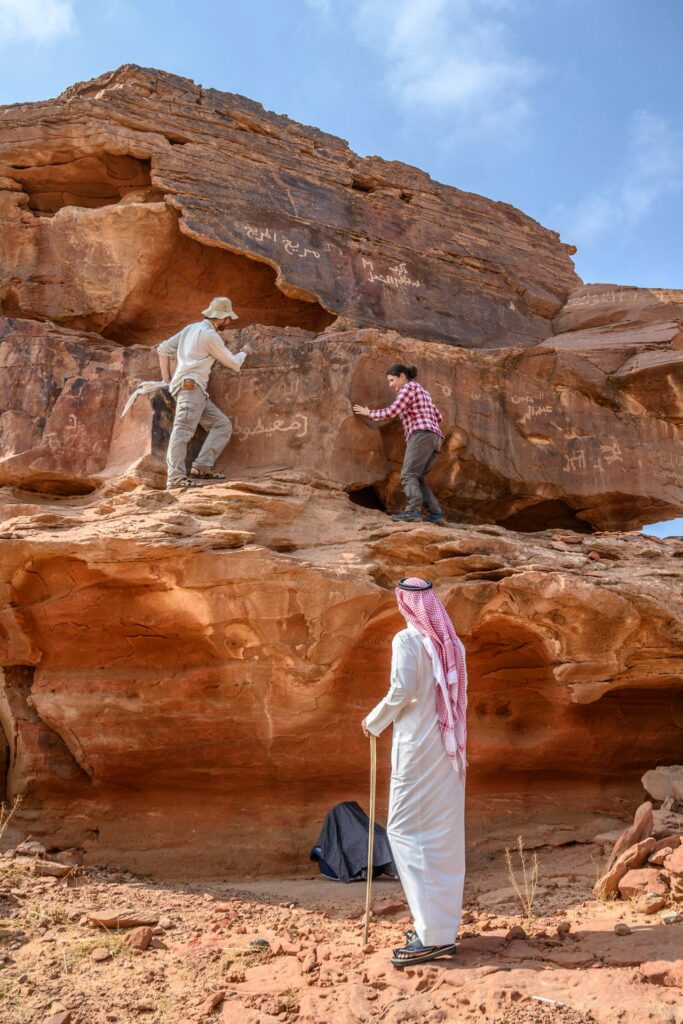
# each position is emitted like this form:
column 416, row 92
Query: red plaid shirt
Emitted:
column 415, row 409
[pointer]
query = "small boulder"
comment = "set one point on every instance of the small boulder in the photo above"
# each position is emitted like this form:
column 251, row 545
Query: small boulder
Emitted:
column 659, row 856
column 30, row 848
column 210, row 1004
column 516, row 933
column 310, row 962
column 671, row 917
column 635, row 833
column 671, row 841
column 607, row 886
column 45, row 868
column 139, row 938
column 563, row 928
column 63, row 1017
column 622, row 929
column 71, row 858
column 100, row 955
column 674, row 862
column 650, row 904
column 641, row 881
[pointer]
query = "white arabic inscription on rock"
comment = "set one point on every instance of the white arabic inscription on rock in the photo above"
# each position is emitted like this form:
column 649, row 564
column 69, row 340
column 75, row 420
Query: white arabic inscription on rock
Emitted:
column 298, row 426
column 291, row 247
column 397, row 276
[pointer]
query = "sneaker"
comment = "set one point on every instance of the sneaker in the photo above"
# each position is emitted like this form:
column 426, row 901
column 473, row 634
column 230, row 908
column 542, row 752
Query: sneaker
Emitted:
column 408, row 517
column 435, row 517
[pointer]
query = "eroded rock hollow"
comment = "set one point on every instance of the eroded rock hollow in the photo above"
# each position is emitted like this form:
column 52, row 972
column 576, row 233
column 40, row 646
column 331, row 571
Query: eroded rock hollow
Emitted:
column 184, row 676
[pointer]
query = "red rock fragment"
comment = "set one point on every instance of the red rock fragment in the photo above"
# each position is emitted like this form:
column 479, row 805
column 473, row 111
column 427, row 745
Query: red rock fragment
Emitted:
column 633, row 857
column 641, row 828
column 650, row 904
column 210, row 1004
column 114, row 919
column 642, row 881
column 658, row 858
column 674, row 863
column 139, row 938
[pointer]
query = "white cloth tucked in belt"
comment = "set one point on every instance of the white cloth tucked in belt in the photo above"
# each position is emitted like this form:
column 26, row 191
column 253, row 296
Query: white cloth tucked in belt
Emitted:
column 145, row 388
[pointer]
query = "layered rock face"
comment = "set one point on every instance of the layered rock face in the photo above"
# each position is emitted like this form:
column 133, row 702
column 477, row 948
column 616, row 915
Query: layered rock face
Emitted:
column 184, row 676
column 143, row 162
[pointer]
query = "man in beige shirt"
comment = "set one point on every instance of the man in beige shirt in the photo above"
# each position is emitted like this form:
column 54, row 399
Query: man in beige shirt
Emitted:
column 195, row 349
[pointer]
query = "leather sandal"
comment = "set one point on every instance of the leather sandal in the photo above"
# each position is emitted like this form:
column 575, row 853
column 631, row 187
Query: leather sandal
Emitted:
column 415, row 953
column 205, row 474
column 182, row 484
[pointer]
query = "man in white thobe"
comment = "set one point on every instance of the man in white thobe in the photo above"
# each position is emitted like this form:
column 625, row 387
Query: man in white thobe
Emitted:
column 427, row 794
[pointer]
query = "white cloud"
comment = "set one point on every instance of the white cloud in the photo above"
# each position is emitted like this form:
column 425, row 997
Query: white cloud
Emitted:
column 651, row 171
column 449, row 57
column 35, row 21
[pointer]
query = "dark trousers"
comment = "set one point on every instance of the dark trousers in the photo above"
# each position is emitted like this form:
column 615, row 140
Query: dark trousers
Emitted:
column 422, row 451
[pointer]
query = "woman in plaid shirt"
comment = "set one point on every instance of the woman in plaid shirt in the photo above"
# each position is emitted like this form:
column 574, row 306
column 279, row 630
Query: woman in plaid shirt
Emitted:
column 421, row 425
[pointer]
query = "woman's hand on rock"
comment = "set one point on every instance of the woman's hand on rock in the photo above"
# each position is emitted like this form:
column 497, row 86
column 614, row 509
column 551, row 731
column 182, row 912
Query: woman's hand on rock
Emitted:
column 361, row 410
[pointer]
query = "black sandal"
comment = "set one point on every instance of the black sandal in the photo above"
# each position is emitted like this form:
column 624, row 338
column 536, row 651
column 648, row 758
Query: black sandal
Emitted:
column 199, row 474
column 415, row 953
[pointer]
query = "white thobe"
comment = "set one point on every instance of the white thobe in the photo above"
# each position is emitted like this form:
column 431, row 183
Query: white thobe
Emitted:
column 426, row 825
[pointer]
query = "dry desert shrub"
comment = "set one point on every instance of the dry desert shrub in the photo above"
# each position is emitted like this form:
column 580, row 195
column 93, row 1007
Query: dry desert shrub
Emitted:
column 290, row 1000
column 527, row 884
column 6, row 814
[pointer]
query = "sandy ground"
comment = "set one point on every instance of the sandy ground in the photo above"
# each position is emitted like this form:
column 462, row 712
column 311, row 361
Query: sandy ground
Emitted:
column 201, row 964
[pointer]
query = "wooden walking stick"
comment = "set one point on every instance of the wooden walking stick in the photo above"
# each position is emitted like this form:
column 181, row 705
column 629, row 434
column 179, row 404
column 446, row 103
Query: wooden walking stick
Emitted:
column 371, row 834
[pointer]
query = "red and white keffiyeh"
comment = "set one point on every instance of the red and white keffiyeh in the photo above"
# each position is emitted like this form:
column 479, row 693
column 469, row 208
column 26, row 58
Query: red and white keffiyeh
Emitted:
column 424, row 610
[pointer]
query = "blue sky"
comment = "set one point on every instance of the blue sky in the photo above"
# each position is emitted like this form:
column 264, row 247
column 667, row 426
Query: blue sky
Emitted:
column 568, row 109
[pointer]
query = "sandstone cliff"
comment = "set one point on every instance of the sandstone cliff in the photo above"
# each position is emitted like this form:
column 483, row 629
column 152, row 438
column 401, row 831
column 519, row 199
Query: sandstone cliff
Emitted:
column 184, row 675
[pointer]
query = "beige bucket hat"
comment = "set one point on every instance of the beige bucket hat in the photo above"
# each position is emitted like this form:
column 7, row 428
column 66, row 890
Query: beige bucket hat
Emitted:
column 219, row 308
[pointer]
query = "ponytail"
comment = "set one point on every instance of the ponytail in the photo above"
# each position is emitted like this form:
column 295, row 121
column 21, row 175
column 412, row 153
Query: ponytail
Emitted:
column 398, row 368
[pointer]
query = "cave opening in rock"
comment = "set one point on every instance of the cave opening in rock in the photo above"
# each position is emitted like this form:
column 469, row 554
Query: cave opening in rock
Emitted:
column 545, row 515
column 91, row 182
column 125, row 268
column 366, row 185
column 367, row 497
column 177, row 280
